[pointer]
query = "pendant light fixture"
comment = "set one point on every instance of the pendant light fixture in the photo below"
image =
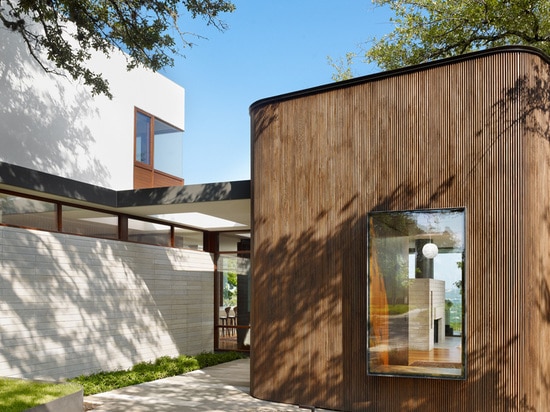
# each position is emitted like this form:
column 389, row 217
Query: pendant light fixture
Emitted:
column 430, row 250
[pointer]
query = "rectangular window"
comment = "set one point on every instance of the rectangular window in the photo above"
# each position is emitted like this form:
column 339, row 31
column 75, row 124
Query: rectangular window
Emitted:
column 25, row 212
column 147, row 232
column 143, row 138
column 159, row 145
column 188, row 238
column 234, row 242
column 34, row 213
column 89, row 222
column 234, row 298
column 416, row 294
column 158, row 152
column 168, row 149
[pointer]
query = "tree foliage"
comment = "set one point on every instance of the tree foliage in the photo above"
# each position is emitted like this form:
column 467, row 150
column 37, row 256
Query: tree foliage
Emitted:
column 426, row 30
column 343, row 68
column 67, row 32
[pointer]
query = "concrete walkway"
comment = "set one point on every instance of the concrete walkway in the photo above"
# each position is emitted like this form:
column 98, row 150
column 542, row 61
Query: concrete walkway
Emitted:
column 222, row 388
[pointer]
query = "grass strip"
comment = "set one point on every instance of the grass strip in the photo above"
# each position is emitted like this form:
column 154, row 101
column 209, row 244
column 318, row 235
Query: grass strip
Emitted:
column 149, row 371
column 18, row 395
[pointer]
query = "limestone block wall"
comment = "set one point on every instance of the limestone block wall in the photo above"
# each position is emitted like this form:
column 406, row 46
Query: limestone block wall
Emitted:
column 72, row 305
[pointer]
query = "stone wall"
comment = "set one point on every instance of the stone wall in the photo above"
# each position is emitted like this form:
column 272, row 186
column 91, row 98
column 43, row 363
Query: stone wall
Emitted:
column 73, row 305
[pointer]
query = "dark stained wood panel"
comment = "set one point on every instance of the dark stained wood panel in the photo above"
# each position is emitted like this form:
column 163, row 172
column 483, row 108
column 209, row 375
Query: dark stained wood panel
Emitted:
column 469, row 132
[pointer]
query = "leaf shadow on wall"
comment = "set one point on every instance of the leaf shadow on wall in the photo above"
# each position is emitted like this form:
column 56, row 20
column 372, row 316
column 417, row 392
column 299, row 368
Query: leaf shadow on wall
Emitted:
column 312, row 299
column 42, row 129
column 82, row 306
column 309, row 330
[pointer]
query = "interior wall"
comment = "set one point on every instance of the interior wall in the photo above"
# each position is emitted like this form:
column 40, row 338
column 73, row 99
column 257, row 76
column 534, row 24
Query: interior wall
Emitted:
column 73, row 305
column 468, row 132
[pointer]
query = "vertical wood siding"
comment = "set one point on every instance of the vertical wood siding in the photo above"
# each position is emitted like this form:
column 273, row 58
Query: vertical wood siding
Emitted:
column 471, row 133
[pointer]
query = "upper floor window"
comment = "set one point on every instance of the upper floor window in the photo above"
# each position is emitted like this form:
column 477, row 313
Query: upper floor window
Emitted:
column 158, row 152
column 416, row 299
column 144, row 124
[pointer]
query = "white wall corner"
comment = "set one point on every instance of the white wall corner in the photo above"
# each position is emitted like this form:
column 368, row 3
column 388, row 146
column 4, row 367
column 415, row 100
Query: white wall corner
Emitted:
column 53, row 124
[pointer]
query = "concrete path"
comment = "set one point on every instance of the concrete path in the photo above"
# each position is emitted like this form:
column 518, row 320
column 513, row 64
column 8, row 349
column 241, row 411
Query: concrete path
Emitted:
column 221, row 388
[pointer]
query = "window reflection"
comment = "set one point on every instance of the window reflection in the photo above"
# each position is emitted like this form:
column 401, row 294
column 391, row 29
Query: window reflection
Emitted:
column 168, row 153
column 89, row 222
column 233, row 303
column 147, row 232
column 416, row 262
column 25, row 212
column 158, row 145
column 33, row 213
column 143, row 138
column 234, row 241
column 188, row 238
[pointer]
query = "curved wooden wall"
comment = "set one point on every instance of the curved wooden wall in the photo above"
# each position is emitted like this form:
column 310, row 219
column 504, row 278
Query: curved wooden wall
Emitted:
column 469, row 132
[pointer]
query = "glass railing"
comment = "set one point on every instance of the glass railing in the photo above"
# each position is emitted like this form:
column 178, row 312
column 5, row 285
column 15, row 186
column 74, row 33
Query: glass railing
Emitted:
column 168, row 149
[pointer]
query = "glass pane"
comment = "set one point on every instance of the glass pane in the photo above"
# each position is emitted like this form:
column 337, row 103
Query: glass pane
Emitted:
column 20, row 211
column 168, row 149
column 143, row 138
column 146, row 232
column 416, row 273
column 234, row 242
column 234, row 304
column 188, row 239
column 89, row 222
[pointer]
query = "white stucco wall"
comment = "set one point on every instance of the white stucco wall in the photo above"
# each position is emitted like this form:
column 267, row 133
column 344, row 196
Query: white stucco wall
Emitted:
column 53, row 124
column 74, row 305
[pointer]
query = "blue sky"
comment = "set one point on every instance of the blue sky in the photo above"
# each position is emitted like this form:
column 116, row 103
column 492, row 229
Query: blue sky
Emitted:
column 271, row 47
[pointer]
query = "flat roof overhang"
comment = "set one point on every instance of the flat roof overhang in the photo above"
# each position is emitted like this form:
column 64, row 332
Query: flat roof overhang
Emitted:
column 212, row 206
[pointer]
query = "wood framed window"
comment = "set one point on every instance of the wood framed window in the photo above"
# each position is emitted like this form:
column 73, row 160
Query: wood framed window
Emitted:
column 143, row 140
column 158, row 152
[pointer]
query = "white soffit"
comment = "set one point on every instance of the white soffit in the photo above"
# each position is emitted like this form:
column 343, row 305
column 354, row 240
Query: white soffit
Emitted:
column 200, row 220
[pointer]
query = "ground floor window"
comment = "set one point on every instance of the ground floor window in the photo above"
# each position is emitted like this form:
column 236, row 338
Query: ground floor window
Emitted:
column 416, row 293
column 21, row 210
column 233, row 301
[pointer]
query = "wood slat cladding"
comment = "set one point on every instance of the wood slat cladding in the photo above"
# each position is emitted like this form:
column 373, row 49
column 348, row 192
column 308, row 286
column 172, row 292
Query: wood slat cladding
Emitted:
column 161, row 179
column 469, row 132
column 143, row 177
column 147, row 178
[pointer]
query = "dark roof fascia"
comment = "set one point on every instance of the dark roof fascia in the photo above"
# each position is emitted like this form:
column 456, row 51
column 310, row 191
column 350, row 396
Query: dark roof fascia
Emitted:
column 398, row 72
column 23, row 178
column 208, row 192
column 47, row 184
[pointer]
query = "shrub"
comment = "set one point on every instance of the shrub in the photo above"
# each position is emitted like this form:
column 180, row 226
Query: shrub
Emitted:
column 162, row 367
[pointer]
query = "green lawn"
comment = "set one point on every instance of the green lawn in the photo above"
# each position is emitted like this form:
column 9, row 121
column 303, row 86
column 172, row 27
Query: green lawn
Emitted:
column 17, row 395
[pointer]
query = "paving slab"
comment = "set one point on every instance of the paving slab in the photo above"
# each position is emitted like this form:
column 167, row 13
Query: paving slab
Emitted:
column 220, row 388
